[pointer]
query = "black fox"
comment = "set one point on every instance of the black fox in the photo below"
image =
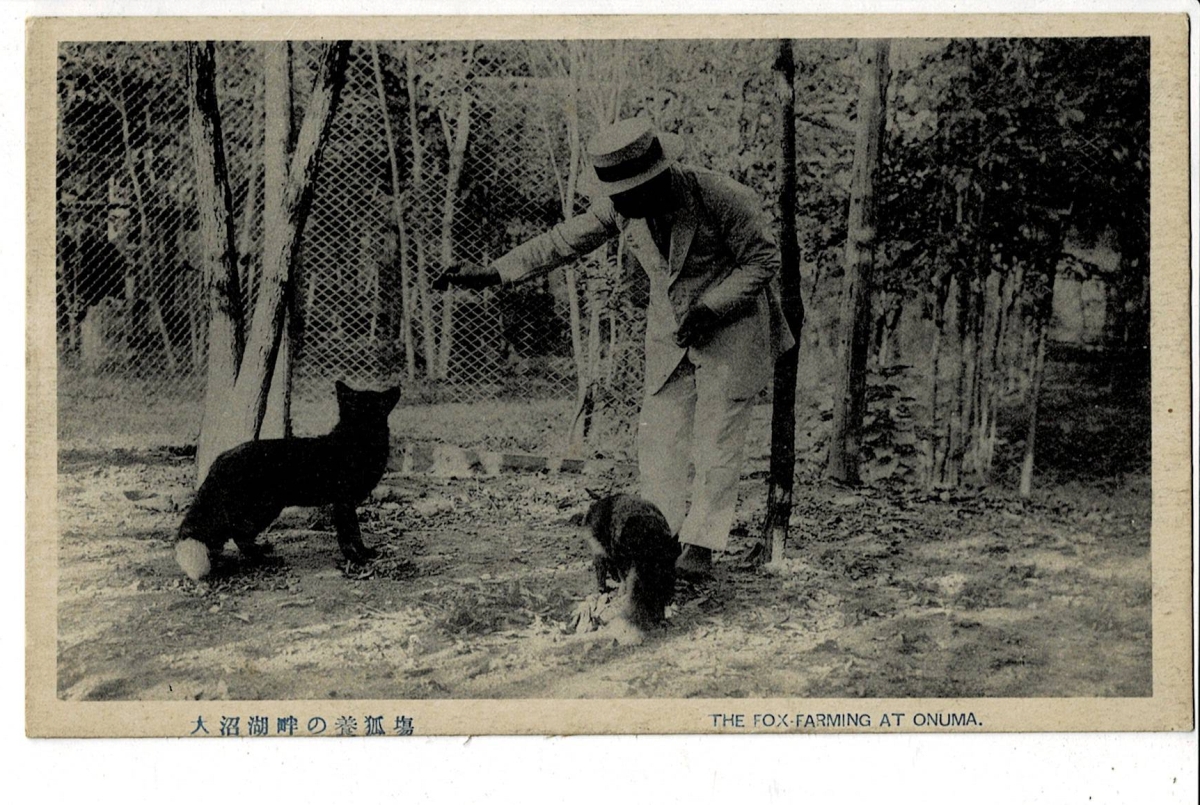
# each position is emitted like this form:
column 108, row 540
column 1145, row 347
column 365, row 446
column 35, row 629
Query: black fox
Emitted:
column 633, row 545
column 249, row 485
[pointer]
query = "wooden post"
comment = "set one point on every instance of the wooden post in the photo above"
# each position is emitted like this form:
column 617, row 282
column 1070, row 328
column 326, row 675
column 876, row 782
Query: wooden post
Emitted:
column 783, row 402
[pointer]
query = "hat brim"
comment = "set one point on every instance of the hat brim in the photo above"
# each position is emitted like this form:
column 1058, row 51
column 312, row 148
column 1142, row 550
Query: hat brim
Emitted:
column 672, row 148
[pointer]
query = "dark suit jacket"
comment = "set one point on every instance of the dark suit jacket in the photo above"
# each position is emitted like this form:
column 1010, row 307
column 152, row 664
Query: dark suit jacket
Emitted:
column 722, row 255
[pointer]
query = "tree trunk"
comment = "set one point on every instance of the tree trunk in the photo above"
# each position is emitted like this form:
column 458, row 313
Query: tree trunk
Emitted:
column 973, row 369
column 1128, row 342
column 250, row 208
column 575, row 319
column 218, row 255
column 1011, row 353
column 989, row 392
column 406, row 334
column 428, row 336
column 584, row 402
column 593, row 352
column 1035, row 390
column 931, row 448
column 777, row 523
column 246, row 268
column 959, row 406
column 192, row 295
column 937, row 446
column 615, row 319
column 885, row 327
column 457, row 132
column 582, row 353
column 163, row 262
column 278, row 139
column 267, row 328
column 854, row 329
column 243, row 416
column 568, row 209
column 1047, row 250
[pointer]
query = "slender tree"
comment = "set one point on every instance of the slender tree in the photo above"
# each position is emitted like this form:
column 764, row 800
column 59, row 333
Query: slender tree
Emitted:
column 412, row 86
column 278, row 141
column 1045, row 250
column 394, row 166
column 455, row 115
column 854, row 328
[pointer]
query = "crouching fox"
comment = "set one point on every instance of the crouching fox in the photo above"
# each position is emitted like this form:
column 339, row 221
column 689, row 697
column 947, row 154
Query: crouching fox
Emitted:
column 248, row 486
column 633, row 546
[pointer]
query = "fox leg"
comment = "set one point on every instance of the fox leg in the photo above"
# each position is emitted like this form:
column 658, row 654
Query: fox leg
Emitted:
column 345, row 522
column 604, row 570
column 252, row 550
column 248, row 525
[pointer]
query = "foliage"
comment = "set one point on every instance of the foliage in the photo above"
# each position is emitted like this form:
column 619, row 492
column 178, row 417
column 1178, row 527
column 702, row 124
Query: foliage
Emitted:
column 826, row 100
column 999, row 152
column 890, row 442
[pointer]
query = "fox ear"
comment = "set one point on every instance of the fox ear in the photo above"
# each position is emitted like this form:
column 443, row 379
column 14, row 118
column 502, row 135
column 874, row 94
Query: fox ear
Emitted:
column 345, row 394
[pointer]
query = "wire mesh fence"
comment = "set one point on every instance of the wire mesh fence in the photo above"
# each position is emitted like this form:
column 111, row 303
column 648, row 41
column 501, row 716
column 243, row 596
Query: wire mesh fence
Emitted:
column 440, row 152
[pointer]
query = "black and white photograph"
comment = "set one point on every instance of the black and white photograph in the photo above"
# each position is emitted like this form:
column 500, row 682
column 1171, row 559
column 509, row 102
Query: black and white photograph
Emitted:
column 626, row 369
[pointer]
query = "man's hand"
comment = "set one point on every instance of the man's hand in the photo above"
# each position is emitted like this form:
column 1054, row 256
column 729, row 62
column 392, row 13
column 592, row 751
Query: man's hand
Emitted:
column 467, row 275
column 697, row 327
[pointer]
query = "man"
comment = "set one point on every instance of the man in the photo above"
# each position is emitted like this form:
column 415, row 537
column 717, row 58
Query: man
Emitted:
column 714, row 325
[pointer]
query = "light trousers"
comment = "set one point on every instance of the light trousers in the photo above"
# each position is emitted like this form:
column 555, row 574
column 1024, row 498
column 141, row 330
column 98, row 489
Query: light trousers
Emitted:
column 691, row 443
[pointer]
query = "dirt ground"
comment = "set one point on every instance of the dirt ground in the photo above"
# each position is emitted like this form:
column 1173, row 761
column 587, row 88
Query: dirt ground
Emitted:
column 883, row 593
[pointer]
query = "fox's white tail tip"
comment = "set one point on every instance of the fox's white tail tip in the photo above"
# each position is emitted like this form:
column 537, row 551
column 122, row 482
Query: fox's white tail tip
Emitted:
column 192, row 556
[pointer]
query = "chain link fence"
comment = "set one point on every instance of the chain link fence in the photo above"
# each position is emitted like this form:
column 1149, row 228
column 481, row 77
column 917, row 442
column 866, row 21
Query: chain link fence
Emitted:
column 439, row 152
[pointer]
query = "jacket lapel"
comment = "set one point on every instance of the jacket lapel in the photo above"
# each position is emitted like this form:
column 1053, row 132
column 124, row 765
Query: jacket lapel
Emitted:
column 683, row 228
column 643, row 246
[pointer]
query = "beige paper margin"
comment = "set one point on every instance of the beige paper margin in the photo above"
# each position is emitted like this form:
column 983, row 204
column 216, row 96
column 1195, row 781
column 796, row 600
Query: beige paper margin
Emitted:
column 1169, row 708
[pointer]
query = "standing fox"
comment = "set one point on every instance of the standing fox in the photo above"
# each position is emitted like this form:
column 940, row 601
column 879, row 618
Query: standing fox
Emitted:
column 249, row 485
column 633, row 545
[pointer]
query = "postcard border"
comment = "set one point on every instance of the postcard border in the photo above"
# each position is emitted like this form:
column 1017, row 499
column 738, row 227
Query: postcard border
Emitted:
column 1169, row 708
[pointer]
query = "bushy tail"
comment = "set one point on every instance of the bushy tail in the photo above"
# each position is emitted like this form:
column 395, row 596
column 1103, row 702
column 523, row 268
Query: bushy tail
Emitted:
column 651, row 588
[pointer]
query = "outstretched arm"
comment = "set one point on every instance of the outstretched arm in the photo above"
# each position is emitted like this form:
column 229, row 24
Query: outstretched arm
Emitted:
column 566, row 241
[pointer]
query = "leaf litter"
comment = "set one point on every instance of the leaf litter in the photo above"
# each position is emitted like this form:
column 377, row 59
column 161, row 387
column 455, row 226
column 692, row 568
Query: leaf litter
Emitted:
column 483, row 588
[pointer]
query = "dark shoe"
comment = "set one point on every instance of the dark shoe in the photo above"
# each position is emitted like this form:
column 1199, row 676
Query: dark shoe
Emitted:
column 695, row 563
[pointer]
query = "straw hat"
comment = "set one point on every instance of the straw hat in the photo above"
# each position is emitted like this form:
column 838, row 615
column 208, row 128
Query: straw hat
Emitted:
column 629, row 153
